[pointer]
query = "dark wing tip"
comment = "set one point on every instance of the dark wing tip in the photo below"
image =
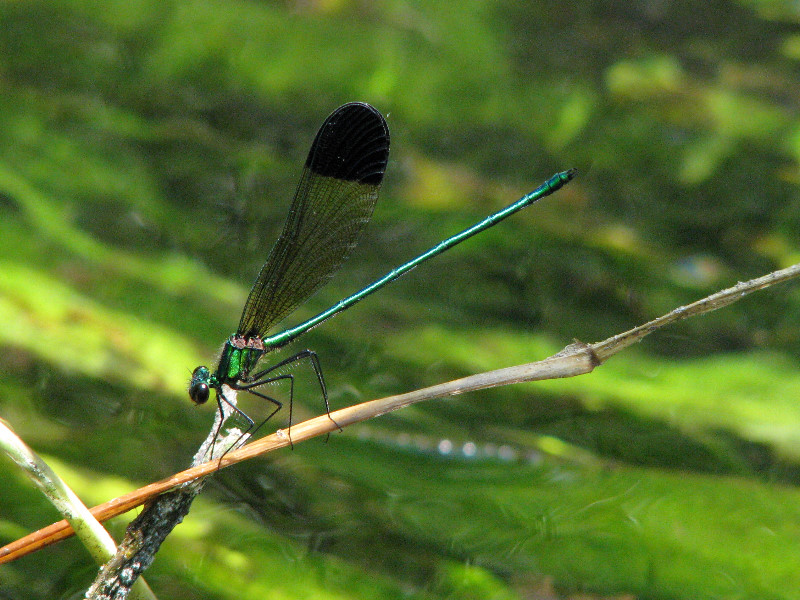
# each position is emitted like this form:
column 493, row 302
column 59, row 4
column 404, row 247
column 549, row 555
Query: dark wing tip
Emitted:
column 351, row 145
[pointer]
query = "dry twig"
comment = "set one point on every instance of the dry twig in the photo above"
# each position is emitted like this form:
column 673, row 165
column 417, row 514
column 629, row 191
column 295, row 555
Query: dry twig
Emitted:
column 162, row 514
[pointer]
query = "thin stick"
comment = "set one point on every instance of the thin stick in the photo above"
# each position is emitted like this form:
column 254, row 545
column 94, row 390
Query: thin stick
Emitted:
column 161, row 514
column 608, row 348
column 576, row 359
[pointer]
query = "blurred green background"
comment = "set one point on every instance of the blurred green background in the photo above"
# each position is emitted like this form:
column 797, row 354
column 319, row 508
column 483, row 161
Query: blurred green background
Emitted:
column 148, row 154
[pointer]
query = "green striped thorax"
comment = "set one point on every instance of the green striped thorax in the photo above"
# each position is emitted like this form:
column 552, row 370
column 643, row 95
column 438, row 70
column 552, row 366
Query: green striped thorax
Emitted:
column 239, row 357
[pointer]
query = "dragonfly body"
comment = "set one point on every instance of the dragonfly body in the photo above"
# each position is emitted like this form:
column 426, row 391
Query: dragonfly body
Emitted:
column 238, row 358
column 334, row 201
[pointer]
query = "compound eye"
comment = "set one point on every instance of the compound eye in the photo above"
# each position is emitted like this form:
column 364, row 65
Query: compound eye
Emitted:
column 198, row 392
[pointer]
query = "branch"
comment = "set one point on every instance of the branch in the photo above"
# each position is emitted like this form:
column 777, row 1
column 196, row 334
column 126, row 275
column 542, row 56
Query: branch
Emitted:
column 89, row 530
column 576, row 359
column 609, row 347
column 162, row 513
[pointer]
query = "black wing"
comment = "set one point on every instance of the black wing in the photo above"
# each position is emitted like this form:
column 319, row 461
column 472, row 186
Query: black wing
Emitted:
column 332, row 205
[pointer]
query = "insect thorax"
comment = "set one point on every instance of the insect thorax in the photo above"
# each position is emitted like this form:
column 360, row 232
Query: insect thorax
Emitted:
column 239, row 356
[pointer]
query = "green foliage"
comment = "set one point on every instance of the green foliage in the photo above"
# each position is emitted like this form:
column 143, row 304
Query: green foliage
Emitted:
column 148, row 154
